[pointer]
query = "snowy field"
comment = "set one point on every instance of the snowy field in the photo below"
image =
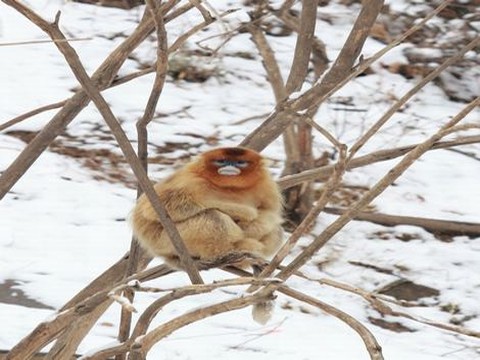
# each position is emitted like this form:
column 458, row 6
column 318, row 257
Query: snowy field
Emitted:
column 63, row 223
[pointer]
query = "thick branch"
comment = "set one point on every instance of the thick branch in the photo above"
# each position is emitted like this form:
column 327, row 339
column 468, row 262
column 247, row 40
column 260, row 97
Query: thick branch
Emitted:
column 142, row 345
column 270, row 64
column 136, row 253
column 303, row 46
column 435, row 226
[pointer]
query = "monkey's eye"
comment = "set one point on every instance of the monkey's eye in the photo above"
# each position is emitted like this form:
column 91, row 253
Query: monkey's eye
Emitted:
column 241, row 164
column 220, row 163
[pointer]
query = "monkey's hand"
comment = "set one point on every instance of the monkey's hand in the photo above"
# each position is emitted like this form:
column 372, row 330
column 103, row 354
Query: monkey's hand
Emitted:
column 265, row 223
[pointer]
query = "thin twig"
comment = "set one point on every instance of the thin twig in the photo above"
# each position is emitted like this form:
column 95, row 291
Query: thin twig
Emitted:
column 144, row 343
column 31, row 113
column 190, row 289
column 323, row 131
column 373, row 347
column 178, row 43
column 377, row 303
column 205, row 13
column 322, row 173
column 405, row 98
column 41, row 41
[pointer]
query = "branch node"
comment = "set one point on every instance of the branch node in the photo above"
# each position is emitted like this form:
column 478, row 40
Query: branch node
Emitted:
column 56, row 22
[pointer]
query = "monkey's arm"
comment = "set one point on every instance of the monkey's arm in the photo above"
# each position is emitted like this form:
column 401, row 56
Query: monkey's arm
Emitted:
column 179, row 204
column 238, row 212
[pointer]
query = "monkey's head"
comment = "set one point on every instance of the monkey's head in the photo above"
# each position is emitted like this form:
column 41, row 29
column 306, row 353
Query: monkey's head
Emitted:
column 231, row 167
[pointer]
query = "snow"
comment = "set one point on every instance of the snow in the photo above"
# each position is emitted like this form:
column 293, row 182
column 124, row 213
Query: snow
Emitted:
column 60, row 227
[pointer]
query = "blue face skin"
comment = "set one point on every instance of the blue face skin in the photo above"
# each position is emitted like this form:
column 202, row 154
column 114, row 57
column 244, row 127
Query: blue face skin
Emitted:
column 240, row 164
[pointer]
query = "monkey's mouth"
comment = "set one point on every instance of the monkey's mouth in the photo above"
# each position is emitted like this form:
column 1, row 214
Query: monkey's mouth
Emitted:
column 229, row 170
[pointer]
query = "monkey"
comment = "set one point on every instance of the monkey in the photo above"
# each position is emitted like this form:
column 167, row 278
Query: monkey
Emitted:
column 224, row 201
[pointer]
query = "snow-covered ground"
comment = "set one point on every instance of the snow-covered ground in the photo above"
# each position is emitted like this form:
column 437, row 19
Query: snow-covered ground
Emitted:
column 60, row 226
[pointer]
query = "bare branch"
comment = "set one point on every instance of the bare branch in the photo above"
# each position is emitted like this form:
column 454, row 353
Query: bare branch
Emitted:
column 376, row 301
column 270, row 64
column 136, row 253
column 303, row 46
column 319, row 55
column 143, row 344
column 426, row 80
column 275, row 79
column 323, row 131
column 205, row 13
column 31, row 113
column 447, row 227
column 160, row 76
column 41, row 41
column 324, row 172
column 373, row 347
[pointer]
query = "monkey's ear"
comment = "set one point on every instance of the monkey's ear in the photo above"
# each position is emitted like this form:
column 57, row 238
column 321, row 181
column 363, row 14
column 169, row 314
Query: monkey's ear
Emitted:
column 195, row 158
column 266, row 162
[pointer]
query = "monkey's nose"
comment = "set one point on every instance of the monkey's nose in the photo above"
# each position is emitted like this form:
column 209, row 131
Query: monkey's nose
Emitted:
column 229, row 170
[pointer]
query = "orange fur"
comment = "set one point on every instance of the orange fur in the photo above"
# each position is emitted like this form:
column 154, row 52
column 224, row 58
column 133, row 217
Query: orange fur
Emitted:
column 215, row 214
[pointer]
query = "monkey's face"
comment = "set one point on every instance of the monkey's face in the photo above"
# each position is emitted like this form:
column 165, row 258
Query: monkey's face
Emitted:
column 232, row 167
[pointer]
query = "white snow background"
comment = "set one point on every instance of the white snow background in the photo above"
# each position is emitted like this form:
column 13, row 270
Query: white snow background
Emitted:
column 60, row 227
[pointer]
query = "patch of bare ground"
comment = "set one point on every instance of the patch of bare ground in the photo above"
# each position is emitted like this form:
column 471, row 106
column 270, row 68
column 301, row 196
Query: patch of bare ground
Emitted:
column 10, row 293
column 394, row 326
